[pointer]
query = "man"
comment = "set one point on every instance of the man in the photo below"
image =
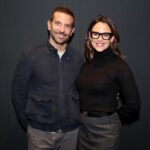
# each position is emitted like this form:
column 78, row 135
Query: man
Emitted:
column 43, row 89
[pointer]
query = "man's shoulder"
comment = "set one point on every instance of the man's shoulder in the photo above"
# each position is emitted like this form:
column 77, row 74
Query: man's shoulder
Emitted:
column 35, row 50
column 74, row 51
column 38, row 47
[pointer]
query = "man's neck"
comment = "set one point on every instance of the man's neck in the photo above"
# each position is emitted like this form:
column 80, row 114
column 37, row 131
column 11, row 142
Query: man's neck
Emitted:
column 59, row 47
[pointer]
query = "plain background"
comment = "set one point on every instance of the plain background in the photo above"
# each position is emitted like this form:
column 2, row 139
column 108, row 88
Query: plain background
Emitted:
column 23, row 23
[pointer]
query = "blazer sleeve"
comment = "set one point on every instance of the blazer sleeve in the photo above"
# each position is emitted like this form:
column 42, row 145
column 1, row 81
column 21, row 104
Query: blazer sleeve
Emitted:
column 20, row 88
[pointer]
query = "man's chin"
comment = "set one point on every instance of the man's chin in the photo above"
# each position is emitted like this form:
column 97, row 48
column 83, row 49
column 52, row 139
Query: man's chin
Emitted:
column 61, row 42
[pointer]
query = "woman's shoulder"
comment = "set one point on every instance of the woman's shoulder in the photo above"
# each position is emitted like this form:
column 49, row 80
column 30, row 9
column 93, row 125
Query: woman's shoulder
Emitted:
column 122, row 65
column 121, row 61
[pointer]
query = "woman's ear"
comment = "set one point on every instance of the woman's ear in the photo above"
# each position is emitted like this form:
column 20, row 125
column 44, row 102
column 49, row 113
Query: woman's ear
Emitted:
column 112, row 39
column 89, row 35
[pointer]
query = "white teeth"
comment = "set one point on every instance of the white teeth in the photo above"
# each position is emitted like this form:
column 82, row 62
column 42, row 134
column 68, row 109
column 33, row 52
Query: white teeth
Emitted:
column 99, row 44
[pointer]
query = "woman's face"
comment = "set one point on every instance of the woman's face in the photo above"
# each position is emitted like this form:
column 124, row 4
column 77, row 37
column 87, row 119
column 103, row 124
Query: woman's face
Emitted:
column 101, row 36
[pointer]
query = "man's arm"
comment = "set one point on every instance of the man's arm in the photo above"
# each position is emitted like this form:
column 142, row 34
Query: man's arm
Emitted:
column 20, row 87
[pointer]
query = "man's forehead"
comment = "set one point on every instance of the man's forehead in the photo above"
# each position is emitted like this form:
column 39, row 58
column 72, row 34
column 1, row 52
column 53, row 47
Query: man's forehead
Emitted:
column 61, row 16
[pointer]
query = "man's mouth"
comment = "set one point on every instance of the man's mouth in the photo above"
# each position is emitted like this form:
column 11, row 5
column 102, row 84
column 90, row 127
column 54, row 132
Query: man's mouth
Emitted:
column 62, row 34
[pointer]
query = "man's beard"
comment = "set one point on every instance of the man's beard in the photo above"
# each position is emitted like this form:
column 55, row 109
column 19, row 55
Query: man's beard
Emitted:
column 63, row 41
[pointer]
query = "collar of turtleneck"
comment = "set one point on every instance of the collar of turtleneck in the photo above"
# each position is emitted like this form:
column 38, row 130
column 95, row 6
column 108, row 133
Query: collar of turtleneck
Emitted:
column 104, row 57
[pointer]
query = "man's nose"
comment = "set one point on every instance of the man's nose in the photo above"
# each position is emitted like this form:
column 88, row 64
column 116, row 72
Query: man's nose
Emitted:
column 62, row 28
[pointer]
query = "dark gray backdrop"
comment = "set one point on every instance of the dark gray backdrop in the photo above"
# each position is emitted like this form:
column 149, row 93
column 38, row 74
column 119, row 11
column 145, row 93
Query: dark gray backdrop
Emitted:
column 23, row 24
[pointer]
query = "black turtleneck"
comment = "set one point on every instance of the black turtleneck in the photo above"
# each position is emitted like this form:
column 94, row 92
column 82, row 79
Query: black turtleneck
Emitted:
column 102, row 79
column 103, row 58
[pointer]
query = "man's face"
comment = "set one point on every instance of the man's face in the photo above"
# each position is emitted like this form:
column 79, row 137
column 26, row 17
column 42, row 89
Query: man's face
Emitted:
column 60, row 28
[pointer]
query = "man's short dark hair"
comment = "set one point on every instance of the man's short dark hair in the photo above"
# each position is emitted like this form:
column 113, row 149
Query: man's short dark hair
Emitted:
column 65, row 10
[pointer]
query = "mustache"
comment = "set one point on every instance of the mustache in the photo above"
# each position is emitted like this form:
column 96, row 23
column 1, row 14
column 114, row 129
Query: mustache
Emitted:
column 62, row 33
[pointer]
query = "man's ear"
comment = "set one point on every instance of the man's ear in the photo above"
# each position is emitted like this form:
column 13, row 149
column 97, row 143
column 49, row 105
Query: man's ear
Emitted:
column 72, row 31
column 49, row 25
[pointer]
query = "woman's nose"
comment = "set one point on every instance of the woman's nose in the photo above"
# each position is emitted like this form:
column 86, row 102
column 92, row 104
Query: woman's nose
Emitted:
column 100, row 37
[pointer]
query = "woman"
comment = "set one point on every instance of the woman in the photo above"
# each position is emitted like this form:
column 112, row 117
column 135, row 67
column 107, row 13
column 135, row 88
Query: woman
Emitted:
column 105, row 81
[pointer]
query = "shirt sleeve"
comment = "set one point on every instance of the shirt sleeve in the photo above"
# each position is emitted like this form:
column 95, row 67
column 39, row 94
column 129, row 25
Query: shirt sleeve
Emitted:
column 129, row 95
column 20, row 87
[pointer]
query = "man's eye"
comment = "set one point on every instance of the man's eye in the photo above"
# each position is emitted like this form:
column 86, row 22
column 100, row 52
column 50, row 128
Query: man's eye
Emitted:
column 57, row 23
column 68, row 26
